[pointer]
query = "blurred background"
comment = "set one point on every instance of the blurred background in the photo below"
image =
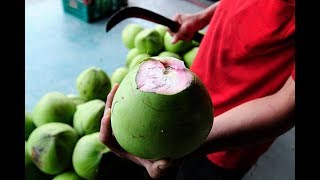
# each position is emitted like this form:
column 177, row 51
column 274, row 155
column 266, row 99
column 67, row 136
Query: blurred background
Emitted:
column 61, row 43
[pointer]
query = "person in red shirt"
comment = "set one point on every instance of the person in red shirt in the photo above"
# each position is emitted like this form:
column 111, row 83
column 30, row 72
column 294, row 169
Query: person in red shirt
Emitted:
column 246, row 60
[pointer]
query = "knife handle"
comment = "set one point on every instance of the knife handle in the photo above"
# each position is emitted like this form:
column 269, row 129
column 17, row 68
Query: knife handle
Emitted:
column 198, row 37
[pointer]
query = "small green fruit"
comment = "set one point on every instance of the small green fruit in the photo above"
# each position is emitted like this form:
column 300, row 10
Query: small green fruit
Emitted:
column 131, row 54
column 50, row 147
column 129, row 33
column 31, row 170
column 179, row 47
column 69, row 175
column 170, row 54
column 118, row 75
column 138, row 59
column 27, row 159
column 28, row 125
column 53, row 107
column 161, row 30
column 195, row 43
column 189, row 56
column 86, row 119
column 93, row 83
column 76, row 99
column 149, row 41
column 87, row 156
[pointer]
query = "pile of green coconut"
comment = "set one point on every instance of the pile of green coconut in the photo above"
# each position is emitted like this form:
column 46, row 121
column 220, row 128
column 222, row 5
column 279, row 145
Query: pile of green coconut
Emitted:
column 146, row 42
column 143, row 43
column 62, row 134
column 153, row 113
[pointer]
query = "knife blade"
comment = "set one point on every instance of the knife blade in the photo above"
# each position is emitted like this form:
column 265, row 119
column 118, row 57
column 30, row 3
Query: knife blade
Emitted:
column 138, row 12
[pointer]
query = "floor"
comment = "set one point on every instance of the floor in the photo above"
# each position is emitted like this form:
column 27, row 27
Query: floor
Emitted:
column 59, row 46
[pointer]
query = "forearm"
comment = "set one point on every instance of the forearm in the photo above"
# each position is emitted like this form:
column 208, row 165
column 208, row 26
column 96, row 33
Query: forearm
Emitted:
column 205, row 16
column 256, row 121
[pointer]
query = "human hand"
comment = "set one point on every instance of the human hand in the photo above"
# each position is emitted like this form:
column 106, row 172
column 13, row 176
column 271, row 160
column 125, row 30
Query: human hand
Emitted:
column 190, row 24
column 155, row 169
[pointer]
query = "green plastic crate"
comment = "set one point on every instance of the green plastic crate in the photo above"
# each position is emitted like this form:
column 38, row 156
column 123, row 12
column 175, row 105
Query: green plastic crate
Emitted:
column 93, row 10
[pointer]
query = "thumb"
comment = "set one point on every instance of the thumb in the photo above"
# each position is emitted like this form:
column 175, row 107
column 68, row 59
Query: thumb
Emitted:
column 158, row 168
column 161, row 164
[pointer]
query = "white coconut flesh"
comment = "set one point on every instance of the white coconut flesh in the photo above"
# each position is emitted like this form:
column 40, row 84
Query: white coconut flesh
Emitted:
column 165, row 75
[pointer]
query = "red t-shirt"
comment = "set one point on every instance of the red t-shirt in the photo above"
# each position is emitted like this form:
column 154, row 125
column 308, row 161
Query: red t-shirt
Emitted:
column 247, row 53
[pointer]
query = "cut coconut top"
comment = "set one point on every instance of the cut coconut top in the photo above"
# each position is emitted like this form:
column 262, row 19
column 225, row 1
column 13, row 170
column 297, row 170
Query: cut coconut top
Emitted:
column 163, row 75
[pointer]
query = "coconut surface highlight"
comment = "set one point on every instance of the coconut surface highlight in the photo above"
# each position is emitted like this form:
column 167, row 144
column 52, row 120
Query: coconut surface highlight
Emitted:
column 166, row 76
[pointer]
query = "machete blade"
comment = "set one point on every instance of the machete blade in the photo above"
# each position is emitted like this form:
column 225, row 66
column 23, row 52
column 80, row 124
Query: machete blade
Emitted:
column 137, row 12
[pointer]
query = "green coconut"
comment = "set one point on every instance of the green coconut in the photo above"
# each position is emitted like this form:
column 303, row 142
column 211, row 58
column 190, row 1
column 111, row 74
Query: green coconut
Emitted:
column 195, row 43
column 138, row 59
column 170, row 54
column 28, row 125
column 53, row 107
column 161, row 29
column 93, row 83
column 86, row 119
column 178, row 47
column 161, row 110
column 118, row 75
column 50, row 147
column 68, row 175
column 129, row 33
column 76, row 99
column 189, row 56
column 131, row 54
column 27, row 159
column 31, row 171
column 87, row 156
column 149, row 41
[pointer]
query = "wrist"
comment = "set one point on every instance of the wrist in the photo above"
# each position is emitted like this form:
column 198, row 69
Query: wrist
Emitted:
column 203, row 19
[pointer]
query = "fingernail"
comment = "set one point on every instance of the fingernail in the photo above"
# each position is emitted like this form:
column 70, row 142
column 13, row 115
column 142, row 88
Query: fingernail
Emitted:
column 161, row 167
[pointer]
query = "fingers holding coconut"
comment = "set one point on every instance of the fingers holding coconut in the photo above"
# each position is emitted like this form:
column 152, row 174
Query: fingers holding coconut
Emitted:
column 106, row 136
column 111, row 95
column 155, row 169
column 105, row 128
column 158, row 168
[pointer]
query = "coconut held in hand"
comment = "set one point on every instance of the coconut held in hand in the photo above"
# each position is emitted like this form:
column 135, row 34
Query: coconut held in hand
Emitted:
column 161, row 110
